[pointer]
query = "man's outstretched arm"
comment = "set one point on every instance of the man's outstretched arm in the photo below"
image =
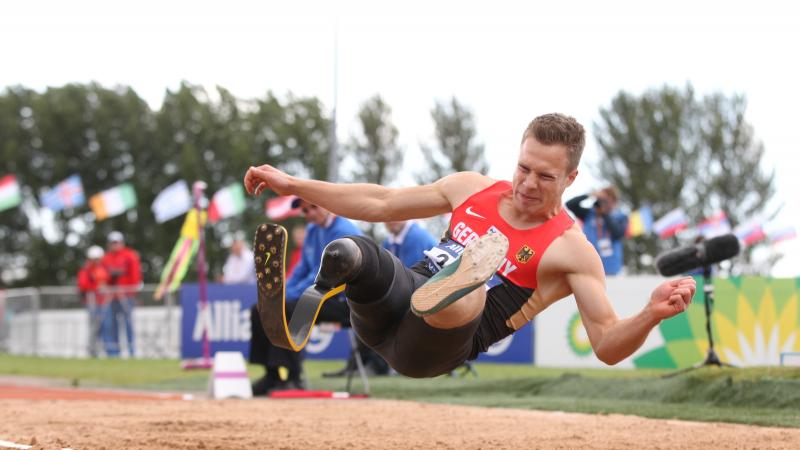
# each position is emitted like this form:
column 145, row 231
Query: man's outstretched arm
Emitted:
column 615, row 339
column 369, row 202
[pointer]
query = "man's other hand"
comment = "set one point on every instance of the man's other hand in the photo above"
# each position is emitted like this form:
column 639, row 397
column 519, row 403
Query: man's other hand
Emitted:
column 258, row 179
column 672, row 297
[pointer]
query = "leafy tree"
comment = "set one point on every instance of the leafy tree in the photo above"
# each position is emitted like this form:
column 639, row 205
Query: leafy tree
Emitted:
column 110, row 136
column 732, row 178
column 456, row 148
column 669, row 149
column 376, row 152
column 295, row 134
column 88, row 130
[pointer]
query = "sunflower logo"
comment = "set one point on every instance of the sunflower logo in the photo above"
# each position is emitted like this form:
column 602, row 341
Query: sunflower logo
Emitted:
column 577, row 337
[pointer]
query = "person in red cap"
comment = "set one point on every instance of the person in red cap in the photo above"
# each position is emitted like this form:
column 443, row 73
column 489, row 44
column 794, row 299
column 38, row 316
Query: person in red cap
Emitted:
column 126, row 278
column 93, row 279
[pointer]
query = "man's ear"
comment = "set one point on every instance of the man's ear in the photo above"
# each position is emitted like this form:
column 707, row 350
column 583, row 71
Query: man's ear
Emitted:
column 571, row 177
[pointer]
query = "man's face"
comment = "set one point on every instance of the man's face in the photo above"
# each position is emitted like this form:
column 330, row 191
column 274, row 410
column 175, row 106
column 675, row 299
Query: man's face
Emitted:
column 541, row 176
column 115, row 245
column 314, row 214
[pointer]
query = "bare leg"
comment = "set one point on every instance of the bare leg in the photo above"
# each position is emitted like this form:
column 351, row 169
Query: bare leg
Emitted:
column 455, row 295
column 459, row 313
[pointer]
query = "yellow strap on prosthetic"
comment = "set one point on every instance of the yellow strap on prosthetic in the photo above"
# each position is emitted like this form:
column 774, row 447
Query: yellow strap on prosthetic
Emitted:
column 270, row 259
column 298, row 331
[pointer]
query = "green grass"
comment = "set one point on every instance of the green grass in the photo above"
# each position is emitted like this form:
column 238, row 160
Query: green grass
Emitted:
column 762, row 396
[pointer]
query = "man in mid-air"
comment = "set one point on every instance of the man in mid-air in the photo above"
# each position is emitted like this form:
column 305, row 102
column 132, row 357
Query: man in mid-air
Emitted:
column 510, row 251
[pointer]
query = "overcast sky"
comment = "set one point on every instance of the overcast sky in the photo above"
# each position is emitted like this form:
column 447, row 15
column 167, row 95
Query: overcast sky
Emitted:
column 509, row 64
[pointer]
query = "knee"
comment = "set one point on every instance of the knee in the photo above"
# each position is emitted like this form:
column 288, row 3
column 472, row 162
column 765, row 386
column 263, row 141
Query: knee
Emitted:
column 341, row 262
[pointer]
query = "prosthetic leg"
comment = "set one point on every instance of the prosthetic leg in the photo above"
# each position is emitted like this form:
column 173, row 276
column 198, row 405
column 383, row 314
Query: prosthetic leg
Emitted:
column 270, row 259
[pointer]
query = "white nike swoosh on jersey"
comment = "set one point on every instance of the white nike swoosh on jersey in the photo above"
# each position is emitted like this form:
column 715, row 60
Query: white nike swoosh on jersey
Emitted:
column 472, row 213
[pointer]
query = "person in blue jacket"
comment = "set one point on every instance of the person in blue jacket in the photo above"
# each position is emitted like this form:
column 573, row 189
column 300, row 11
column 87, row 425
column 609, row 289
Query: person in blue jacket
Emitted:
column 408, row 241
column 603, row 224
column 323, row 227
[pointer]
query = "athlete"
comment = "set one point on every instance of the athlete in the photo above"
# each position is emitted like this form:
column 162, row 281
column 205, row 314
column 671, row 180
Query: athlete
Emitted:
column 510, row 251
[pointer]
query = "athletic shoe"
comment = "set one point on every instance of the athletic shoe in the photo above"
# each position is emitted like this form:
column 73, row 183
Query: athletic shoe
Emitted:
column 477, row 263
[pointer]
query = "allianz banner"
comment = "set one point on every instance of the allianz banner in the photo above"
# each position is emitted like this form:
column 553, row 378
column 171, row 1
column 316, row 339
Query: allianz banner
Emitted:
column 228, row 322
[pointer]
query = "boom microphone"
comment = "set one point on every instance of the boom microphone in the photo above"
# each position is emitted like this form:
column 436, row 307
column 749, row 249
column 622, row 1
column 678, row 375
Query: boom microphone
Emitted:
column 682, row 260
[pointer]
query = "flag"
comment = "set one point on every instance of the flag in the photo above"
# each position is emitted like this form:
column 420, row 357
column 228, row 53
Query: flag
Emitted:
column 714, row 226
column 226, row 202
column 10, row 195
column 67, row 194
column 181, row 257
column 750, row 232
column 671, row 223
column 113, row 202
column 280, row 208
column 782, row 234
column 173, row 201
column 640, row 222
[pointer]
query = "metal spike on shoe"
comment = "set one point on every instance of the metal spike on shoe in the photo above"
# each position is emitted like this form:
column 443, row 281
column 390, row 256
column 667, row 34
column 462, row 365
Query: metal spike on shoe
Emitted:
column 289, row 334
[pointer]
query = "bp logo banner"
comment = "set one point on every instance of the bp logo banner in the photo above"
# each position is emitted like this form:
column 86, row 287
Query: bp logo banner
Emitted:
column 754, row 320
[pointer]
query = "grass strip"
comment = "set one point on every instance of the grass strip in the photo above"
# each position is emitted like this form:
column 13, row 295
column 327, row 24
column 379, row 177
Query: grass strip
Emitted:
column 761, row 396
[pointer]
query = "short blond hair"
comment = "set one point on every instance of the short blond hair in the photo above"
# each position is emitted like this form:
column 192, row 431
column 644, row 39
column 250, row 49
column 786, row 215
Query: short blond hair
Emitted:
column 556, row 128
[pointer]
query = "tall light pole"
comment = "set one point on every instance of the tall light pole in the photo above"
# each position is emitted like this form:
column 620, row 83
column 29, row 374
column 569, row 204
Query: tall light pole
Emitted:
column 333, row 155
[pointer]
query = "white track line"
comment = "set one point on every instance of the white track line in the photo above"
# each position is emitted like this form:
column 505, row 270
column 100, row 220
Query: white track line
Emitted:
column 7, row 444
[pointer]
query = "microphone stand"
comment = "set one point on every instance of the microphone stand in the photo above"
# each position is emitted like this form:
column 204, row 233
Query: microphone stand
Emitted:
column 712, row 359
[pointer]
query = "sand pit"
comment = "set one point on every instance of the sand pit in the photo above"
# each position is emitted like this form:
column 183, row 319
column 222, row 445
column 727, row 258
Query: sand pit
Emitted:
column 347, row 424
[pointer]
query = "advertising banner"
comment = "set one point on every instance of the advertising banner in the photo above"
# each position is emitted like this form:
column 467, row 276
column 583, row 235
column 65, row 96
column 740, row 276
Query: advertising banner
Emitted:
column 561, row 340
column 754, row 322
column 228, row 322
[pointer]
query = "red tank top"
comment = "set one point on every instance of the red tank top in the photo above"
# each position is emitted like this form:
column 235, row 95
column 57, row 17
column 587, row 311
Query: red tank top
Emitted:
column 515, row 280
column 478, row 215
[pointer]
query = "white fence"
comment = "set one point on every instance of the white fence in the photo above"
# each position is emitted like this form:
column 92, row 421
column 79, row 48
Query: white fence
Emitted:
column 54, row 321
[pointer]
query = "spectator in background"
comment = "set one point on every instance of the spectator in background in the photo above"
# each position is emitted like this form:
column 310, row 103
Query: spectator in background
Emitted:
column 603, row 224
column 93, row 279
column 239, row 268
column 298, row 237
column 125, row 273
column 323, row 227
column 407, row 240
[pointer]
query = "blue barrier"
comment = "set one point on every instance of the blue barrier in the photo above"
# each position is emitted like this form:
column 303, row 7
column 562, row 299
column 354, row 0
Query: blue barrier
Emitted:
column 228, row 321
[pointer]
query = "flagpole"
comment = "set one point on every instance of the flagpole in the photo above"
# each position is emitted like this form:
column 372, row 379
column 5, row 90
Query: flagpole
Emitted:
column 200, row 204
column 333, row 157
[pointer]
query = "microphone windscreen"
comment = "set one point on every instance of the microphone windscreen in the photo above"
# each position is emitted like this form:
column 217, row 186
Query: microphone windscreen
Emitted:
column 685, row 259
column 721, row 248
column 678, row 261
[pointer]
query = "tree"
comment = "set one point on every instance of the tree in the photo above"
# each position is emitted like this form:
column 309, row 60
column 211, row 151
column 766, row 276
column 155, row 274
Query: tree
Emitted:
column 83, row 129
column 456, row 148
column 111, row 136
column 732, row 178
column 376, row 152
column 668, row 149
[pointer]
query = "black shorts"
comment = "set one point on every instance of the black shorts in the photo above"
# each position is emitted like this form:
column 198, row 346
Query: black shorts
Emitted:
column 380, row 299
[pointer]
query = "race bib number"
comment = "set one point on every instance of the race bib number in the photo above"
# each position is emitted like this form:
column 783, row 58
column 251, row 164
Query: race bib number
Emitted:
column 443, row 255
